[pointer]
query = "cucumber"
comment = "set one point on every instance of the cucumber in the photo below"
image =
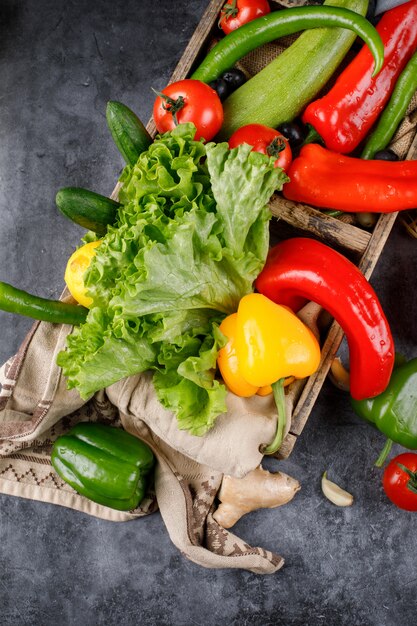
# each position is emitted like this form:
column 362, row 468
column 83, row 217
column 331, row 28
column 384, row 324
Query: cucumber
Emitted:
column 280, row 91
column 128, row 132
column 87, row 208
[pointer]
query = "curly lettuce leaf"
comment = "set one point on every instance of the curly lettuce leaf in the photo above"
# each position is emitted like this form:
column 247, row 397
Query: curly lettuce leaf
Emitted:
column 190, row 238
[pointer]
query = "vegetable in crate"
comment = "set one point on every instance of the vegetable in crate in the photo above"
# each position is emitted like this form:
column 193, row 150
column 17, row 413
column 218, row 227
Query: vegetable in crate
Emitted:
column 301, row 269
column 189, row 101
column 404, row 90
column 235, row 13
column 279, row 92
column 266, row 141
column 344, row 116
column 186, row 246
column 105, row 464
column 330, row 180
column 266, row 345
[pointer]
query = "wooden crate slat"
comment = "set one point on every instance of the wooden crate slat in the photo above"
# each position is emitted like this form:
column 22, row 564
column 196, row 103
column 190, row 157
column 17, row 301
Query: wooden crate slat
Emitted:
column 331, row 230
column 376, row 244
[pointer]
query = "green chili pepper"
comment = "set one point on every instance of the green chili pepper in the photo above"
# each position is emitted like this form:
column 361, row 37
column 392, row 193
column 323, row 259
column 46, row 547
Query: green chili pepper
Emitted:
column 394, row 112
column 17, row 301
column 394, row 412
column 105, row 464
column 285, row 22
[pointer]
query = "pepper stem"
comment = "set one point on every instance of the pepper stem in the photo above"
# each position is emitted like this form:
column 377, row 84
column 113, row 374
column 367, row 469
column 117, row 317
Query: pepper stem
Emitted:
column 384, row 453
column 279, row 397
column 170, row 104
column 312, row 136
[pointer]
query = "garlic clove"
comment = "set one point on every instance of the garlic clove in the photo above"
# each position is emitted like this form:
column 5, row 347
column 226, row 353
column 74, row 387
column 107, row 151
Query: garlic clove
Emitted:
column 334, row 493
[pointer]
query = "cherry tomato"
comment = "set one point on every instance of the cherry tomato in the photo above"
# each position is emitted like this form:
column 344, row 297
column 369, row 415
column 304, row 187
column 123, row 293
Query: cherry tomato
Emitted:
column 235, row 13
column 265, row 140
column 189, row 101
column 400, row 484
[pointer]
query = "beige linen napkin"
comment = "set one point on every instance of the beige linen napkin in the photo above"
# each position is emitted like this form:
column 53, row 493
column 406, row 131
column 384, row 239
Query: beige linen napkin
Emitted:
column 36, row 407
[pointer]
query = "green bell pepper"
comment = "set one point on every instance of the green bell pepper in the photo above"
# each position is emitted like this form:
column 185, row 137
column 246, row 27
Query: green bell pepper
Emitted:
column 107, row 465
column 394, row 412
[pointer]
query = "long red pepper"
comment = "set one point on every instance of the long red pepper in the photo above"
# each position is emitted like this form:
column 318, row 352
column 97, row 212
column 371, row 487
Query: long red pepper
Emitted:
column 301, row 268
column 344, row 116
column 334, row 181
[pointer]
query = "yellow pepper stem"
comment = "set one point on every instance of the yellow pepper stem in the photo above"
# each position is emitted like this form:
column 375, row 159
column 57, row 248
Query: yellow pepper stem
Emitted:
column 279, row 397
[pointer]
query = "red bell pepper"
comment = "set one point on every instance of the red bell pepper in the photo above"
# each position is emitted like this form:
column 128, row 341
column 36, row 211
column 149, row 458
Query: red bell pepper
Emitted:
column 344, row 116
column 299, row 269
column 334, row 181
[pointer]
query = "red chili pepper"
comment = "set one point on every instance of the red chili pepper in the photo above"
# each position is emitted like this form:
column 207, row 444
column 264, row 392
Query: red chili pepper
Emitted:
column 344, row 116
column 334, row 181
column 301, row 268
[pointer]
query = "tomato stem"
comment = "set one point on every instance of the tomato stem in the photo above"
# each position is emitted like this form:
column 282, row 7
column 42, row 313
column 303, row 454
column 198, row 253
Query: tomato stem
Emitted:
column 170, row 104
column 276, row 146
column 384, row 453
column 279, row 397
column 228, row 11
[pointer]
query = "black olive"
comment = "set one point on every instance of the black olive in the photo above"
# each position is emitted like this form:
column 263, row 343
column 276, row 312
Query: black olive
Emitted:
column 386, row 155
column 234, row 78
column 221, row 88
column 293, row 132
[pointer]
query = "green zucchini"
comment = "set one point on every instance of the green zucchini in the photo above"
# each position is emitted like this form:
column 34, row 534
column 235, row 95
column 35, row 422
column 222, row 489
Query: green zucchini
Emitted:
column 280, row 91
column 87, row 208
column 128, row 132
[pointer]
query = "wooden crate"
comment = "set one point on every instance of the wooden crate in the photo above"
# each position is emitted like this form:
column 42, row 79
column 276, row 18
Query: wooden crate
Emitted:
column 362, row 246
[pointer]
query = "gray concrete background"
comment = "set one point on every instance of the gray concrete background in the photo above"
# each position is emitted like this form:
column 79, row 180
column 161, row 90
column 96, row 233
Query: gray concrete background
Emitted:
column 59, row 64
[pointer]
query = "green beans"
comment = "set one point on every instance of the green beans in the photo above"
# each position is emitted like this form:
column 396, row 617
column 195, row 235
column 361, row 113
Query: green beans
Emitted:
column 15, row 300
column 285, row 22
column 395, row 110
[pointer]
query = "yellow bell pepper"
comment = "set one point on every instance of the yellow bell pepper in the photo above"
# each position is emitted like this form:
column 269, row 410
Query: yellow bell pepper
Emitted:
column 227, row 362
column 272, row 342
column 268, row 345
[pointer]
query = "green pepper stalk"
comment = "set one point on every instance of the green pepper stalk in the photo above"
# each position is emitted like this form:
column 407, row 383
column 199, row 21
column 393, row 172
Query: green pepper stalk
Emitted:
column 279, row 397
column 394, row 412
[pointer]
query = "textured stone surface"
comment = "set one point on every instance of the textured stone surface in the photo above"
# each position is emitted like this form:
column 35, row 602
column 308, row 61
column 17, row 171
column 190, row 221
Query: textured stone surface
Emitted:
column 59, row 64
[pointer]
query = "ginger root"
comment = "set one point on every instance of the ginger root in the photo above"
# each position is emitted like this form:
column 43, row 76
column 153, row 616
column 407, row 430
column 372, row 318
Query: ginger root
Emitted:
column 259, row 489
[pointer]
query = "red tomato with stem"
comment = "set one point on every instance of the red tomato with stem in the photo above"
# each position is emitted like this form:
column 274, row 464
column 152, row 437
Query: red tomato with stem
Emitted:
column 235, row 13
column 189, row 101
column 265, row 140
column 400, row 481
